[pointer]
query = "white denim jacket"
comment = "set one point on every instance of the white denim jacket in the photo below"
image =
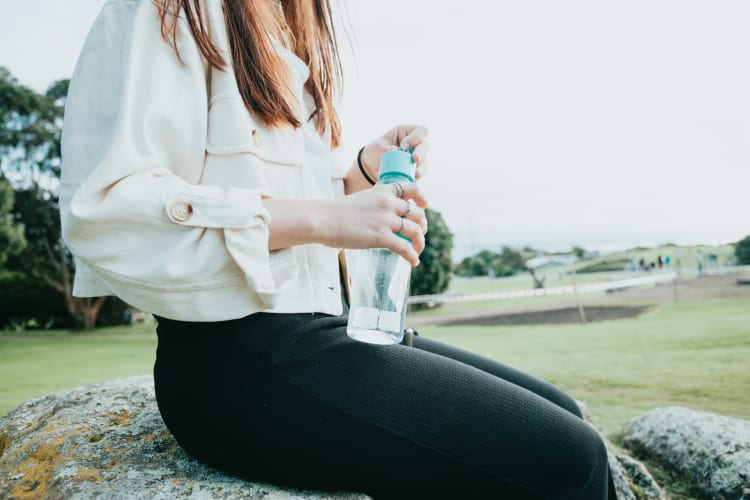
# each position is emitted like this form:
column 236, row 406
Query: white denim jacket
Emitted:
column 163, row 174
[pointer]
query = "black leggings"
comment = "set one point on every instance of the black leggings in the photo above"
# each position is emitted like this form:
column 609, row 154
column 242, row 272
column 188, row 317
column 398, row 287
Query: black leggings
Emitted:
column 290, row 399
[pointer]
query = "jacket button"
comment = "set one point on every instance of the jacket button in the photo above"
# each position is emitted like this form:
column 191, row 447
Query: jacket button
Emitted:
column 256, row 138
column 181, row 211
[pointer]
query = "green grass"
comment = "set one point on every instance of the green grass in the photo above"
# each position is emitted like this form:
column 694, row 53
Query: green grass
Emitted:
column 690, row 354
column 35, row 364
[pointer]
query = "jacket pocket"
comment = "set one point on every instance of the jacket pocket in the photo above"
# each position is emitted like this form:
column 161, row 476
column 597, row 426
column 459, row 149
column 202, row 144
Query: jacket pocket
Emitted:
column 243, row 152
column 232, row 130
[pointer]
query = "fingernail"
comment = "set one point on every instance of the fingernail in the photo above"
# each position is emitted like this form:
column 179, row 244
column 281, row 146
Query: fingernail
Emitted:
column 404, row 146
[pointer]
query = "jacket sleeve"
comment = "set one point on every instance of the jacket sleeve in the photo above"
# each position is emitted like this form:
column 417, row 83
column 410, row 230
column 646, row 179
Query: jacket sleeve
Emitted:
column 134, row 143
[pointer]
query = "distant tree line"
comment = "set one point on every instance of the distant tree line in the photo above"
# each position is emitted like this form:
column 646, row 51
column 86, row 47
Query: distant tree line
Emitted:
column 742, row 251
column 488, row 263
column 36, row 269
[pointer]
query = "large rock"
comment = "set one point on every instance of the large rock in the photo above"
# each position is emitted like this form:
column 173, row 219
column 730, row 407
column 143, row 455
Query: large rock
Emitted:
column 711, row 451
column 632, row 479
column 108, row 441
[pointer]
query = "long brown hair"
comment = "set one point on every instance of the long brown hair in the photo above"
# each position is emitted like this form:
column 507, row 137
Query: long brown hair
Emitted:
column 304, row 26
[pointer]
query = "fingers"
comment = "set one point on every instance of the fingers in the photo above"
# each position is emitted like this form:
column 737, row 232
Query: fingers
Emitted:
column 407, row 207
column 407, row 219
column 410, row 229
column 404, row 249
column 415, row 134
column 379, row 219
column 416, row 140
column 422, row 168
column 414, row 232
column 411, row 191
column 417, row 216
column 411, row 223
column 420, row 152
column 407, row 136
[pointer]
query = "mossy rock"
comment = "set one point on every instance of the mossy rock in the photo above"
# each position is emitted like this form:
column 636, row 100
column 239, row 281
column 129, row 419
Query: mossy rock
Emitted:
column 108, row 441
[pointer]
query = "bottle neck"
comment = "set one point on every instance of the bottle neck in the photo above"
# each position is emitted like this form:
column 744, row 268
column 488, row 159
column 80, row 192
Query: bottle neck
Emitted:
column 391, row 177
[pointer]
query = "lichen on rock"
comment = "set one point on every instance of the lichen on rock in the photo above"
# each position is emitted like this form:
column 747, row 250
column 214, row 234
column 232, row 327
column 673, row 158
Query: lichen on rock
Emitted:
column 710, row 451
column 631, row 478
column 109, row 441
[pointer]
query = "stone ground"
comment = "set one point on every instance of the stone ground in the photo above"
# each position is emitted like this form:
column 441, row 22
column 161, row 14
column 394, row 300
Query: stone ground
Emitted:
column 549, row 316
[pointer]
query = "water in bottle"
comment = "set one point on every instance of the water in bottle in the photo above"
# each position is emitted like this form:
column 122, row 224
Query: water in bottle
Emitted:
column 381, row 280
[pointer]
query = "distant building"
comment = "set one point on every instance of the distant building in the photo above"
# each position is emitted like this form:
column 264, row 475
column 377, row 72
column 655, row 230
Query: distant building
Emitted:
column 551, row 261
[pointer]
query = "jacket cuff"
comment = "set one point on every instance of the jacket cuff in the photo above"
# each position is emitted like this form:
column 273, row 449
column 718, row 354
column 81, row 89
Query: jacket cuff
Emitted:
column 267, row 273
column 230, row 208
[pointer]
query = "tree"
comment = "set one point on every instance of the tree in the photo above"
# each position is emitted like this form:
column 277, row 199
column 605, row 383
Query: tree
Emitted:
column 742, row 251
column 47, row 258
column 30, row 159
column 506, row 263
column 512, row 258
column 30, row 131
column 471, row 266
column 579, row 251
column 434, row 271
column 538, row 282
column 11, row 234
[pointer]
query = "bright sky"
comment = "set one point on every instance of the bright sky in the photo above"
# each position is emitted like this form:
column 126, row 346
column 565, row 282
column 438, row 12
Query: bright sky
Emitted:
column 602, row 124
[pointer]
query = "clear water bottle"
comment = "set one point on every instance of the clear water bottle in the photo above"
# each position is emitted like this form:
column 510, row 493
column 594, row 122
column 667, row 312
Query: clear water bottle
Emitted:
column 381, row 279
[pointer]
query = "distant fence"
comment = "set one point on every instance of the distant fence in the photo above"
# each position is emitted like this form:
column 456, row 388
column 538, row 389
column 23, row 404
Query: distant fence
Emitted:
column 662, row 277
column 545, row 292
column 719, row 271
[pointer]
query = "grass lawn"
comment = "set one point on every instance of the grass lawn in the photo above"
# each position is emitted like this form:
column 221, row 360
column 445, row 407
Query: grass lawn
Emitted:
column 693, row 354
column 35, row 364
column 690, row 354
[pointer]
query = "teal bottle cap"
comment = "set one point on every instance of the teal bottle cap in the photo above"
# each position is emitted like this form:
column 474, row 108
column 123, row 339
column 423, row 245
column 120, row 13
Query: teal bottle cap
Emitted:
column 398, row 162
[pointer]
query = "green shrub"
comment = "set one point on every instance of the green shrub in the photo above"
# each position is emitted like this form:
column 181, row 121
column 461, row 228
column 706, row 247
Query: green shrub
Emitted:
column 28, row 303
column 433, row 274
column 604, row 266
column 742, row 251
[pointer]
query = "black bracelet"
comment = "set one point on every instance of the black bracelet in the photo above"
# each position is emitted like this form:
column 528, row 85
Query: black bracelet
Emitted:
column 362, row 167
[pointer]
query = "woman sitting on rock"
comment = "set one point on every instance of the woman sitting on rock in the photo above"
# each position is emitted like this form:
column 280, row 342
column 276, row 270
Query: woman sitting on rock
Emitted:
column 198, row 185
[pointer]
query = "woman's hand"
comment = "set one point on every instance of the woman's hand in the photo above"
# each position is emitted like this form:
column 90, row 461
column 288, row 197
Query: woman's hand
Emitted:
column 373, row 217
column 399, row 137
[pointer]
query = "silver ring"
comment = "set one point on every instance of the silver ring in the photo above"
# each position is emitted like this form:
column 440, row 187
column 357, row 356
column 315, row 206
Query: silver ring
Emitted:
column 399, row 190
column 402, row 226
column 408, row 209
